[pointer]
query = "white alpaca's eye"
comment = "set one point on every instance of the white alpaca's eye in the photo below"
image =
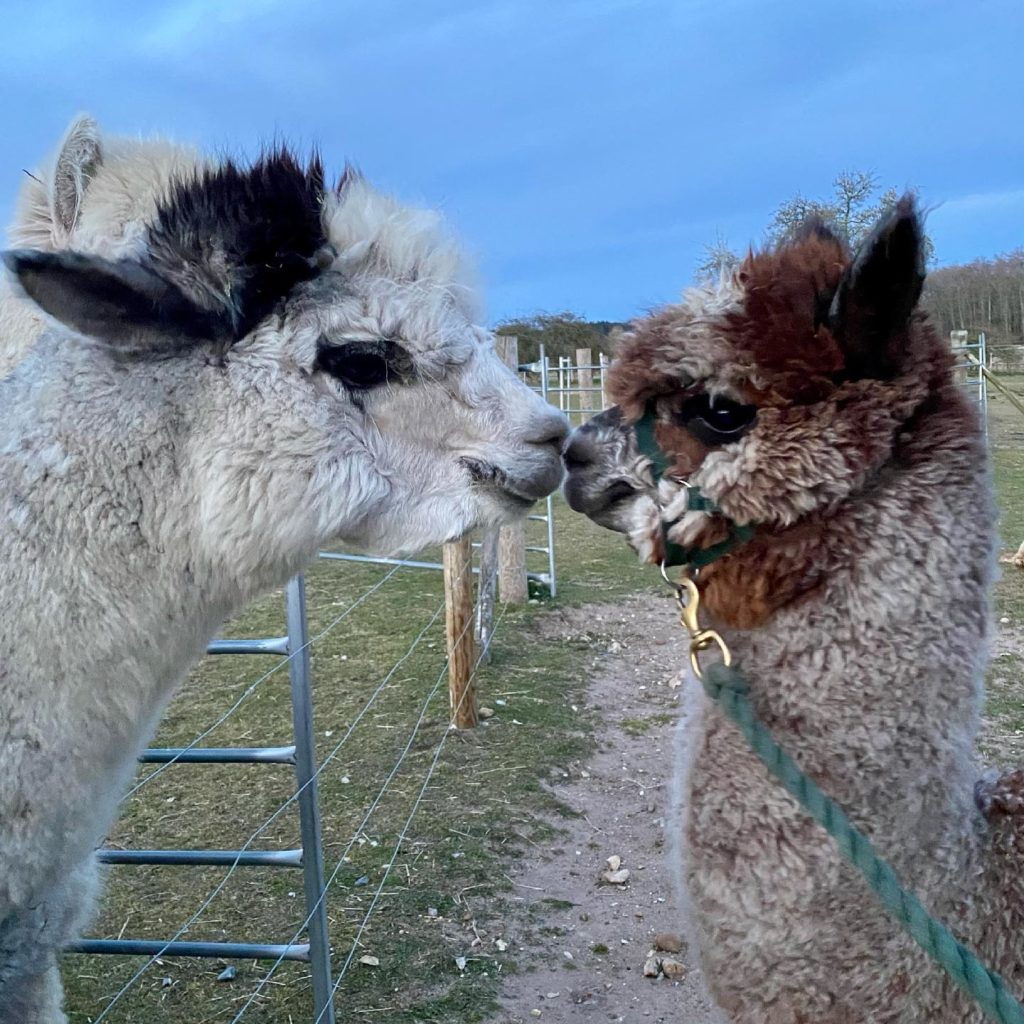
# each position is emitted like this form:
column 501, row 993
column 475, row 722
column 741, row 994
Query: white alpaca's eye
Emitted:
column 359, row 365
column 716, row 421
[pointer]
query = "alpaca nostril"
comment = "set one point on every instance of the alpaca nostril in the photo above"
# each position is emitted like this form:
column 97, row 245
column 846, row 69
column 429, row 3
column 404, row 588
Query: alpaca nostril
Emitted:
column 618, row 490
column 580, row 453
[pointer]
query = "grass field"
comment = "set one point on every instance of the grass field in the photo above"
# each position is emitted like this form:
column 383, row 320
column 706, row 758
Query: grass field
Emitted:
column 446, row 894
column 1003, row 741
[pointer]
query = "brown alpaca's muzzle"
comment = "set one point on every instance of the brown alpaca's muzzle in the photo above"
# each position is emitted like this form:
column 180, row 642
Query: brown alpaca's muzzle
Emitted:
column 606, row 471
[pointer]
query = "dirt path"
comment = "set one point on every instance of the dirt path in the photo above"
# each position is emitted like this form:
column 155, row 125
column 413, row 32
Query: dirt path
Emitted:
column 590, row 939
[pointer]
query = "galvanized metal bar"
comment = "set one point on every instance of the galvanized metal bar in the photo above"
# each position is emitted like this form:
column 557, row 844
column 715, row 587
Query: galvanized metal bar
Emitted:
column 379, row 561
column 552, row 578
column 264, row 645
column 545, row 388
column 205, row 858
column 308, row 799
column 487, row 595
column 218, row 755
column 476, row 545
column 983, row 382
column 216, row 950
column 542, row 367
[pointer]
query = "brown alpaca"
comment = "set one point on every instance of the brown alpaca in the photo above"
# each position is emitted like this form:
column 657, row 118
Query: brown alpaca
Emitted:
column 809, row 398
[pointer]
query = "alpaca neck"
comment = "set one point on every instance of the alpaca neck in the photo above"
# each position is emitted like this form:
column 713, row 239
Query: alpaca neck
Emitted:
column 103, row 525
column 20, row 327
column 872, row 676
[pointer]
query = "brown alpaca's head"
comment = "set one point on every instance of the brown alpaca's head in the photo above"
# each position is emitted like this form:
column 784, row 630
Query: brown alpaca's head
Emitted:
column 779, row 393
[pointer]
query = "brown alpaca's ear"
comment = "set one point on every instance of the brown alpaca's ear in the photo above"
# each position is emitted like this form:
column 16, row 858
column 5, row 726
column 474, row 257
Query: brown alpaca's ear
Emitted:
column 872, row 307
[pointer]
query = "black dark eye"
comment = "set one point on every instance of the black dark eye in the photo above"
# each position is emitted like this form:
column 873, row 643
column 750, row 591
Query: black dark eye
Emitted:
column 716, row 421
column 358, row 365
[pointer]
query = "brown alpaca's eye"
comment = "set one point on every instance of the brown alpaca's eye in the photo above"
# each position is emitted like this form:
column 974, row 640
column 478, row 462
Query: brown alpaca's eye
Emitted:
column 359, row 365
column 714, row 420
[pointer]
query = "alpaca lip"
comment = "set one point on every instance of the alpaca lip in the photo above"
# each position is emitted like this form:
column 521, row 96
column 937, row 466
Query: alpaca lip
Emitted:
column 582, row 496
column 518, row 491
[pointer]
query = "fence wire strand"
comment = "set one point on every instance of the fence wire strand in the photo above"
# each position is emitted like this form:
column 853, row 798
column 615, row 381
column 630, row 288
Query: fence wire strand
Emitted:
column 257, row 683
column 401, row 840
column 373, row 806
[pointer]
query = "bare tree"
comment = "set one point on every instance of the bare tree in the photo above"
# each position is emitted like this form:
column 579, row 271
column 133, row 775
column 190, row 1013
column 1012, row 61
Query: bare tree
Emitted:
column 719, row 259
column 855, row 206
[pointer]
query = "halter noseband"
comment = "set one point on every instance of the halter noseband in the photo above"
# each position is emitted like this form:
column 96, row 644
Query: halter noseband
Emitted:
column 675, row 554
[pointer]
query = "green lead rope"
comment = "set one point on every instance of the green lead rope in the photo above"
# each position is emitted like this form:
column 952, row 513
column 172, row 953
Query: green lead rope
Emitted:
column 729, row 688
column 695, row 558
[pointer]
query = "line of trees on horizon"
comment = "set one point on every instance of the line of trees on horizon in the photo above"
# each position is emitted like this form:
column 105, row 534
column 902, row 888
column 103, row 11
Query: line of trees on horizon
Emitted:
column 561, row 334
column 983, row 295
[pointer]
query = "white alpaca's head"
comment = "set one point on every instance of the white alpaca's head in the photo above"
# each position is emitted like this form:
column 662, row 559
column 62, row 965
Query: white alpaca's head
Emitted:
column 338, row 385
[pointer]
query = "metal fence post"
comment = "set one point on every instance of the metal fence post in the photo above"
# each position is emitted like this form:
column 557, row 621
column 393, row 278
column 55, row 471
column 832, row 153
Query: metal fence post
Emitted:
column 513, row 586
column 548, row 503
column 487, row 592
column 309, row 803
column 983, row 382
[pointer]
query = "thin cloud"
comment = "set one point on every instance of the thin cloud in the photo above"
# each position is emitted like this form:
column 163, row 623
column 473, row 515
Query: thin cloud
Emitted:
column 182, row 25
column 978, row 202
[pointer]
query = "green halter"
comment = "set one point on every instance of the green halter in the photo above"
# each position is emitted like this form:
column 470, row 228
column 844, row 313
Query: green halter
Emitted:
column 694, row 558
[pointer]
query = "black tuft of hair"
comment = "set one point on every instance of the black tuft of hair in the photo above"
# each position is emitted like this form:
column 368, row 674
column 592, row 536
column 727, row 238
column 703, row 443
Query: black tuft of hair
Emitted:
column 239, row 239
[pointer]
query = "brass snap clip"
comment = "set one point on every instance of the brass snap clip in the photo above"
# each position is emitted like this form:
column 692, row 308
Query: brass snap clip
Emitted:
column 701, row 640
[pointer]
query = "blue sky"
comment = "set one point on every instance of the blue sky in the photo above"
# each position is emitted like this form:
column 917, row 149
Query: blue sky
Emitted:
column 585, row 149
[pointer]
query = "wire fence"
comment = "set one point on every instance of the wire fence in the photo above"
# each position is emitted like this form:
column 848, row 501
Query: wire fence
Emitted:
column 248, row 692
column 421, row 646
column 360, row 829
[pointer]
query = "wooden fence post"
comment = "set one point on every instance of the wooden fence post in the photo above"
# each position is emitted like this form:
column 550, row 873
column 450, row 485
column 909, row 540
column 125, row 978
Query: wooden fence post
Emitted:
column 458, row 606
column 606, row 402
column 512, row 583
column 584, row 382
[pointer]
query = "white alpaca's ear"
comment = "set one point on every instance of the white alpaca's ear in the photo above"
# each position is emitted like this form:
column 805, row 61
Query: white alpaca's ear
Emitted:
column 80, row 154
column 124, row 304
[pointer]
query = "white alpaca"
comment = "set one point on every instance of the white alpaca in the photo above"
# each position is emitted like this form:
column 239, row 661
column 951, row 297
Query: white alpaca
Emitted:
column 95, row 195
column 277, row 366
